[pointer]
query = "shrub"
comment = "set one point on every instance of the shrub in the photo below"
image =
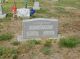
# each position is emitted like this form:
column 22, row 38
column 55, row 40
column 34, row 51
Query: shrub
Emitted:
column 6, row 36
column 69, row 42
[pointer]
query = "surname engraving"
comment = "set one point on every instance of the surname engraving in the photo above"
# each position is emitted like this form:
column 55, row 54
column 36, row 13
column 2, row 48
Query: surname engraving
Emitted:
column 40, row 27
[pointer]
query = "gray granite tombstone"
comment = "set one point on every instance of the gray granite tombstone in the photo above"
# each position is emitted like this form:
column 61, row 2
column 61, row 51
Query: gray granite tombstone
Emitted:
column 39, row 28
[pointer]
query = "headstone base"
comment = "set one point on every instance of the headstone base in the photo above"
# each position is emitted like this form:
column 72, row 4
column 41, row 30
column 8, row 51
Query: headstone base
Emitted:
column 20, row 38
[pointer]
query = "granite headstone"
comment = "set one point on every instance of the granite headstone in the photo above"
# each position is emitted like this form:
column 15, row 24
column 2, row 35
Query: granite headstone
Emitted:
column 39, row 28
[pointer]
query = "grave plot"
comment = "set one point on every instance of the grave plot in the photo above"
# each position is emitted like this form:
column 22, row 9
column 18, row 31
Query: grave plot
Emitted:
column 39, row 28
column 54, row 16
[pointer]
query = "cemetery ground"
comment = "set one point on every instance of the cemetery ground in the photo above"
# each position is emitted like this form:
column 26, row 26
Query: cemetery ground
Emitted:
column 68, row 14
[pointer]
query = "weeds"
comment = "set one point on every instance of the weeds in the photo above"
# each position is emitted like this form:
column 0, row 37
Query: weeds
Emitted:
column 14, row 54
column 32, row 43
column 15, row 43
column 8, row 53
column 2, row 49
column 6, row 36
column 47, row 47
column 46, row 50
column 69, row 42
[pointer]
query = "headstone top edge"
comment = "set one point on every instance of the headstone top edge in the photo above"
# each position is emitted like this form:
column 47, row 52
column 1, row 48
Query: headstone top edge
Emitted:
column 35, row 19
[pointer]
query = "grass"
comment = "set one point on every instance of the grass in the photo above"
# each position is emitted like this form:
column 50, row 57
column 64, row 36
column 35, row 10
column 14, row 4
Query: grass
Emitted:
column 14, row 54
column 59, row 10
column 6, row 36
column 1, row 51
column 8, row 53
column 46, row 49
column 69, row 42
column 59, row 7
column 27, row 46
column 15, row 43
column 48, row 43
column 32, row 43
column 70, row 3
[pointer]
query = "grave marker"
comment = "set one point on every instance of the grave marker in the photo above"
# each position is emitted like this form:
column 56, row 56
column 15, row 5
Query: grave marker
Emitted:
column 39, row 28
column 36, row 5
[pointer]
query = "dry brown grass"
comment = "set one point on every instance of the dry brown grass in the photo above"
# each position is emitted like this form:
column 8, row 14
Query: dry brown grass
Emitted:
column 69, row 25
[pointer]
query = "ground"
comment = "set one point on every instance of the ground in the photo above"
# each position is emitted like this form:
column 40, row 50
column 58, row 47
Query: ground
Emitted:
column 68, row 14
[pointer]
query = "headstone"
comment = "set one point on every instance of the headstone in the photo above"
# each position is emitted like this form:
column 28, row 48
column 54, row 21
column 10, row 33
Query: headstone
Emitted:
column 23, row 12
column 36, row 6
column 39, row 28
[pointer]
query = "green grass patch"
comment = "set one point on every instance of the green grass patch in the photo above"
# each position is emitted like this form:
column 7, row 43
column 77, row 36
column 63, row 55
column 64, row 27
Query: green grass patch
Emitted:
column 14, row 54
column 8, row 53
column 6, row 36
column 32, row 43
column 69, row 42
